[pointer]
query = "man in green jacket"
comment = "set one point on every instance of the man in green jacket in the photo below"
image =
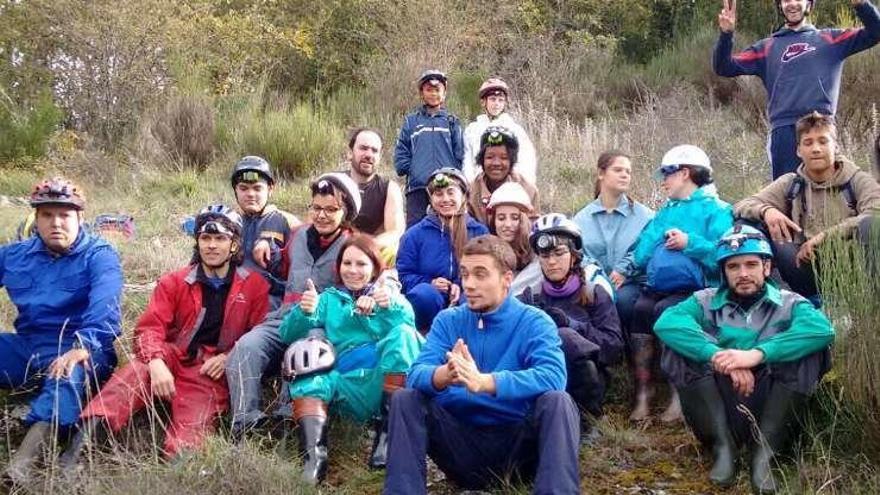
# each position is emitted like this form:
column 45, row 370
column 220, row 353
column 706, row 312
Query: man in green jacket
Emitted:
column 746, row 343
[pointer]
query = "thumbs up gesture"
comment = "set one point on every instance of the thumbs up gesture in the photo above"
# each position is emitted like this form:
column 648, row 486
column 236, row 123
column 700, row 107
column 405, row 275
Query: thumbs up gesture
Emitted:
column 309, row 301
column 380, row 294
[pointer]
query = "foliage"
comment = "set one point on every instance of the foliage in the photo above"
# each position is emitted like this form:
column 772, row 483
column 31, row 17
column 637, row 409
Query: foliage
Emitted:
column 26, row 130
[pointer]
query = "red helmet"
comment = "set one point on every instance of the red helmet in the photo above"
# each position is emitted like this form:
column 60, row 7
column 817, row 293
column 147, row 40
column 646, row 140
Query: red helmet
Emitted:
column 58, row 191
column 494, row 85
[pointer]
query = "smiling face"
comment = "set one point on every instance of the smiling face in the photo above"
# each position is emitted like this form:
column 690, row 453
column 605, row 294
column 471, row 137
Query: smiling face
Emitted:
column 507, row 222
column 326, row 213
column 252, row 197
column 496, row 163
column 555, row 263
column 817, row 148
column 494, row 105
column 484, row 283
column 617, row 177
column 356, row 269
column 57, row 226
column 365, row 154
column 215, row 249
column 433, row 93
column 746, row 274
column 794, row 11
column 447, row 201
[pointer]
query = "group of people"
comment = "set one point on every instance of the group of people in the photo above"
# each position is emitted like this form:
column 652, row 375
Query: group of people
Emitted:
column 463, row 323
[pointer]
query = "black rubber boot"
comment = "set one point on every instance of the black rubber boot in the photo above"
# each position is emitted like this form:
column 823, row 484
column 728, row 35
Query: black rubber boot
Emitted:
column 89, row 433
column 19, row 469
column 313, row 446
column 705, row 413
column 587, row 387
column 379, row 452
column 775, row 423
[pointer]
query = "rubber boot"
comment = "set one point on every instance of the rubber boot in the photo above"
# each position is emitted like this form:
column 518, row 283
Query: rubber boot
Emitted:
column 673, row 410
column 642, row 356
column 311, row 417
column 705, row 413
column 18, row 471
column 379, row 452
column 90, row 432
column 775, row 424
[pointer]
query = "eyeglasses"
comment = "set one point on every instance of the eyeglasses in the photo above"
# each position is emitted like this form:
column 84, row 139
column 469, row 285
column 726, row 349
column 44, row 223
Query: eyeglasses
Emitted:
column 329, row 211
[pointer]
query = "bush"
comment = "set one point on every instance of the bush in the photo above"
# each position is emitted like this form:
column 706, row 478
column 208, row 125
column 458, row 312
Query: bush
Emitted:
column 180, row 131
column 25, row 131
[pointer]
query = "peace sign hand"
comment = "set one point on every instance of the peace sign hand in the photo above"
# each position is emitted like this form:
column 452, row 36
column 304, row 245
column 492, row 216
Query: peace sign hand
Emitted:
column 727, row 17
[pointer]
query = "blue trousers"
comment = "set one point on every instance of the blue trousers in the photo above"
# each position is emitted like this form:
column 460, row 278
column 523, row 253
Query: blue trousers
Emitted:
column 416, row 206
column 24, row 360
column 783, row 150
column 543, row 447
column 627, row 295
column 426, row 302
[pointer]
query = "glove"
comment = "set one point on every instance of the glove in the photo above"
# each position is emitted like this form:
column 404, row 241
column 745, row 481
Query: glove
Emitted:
column 559, row 317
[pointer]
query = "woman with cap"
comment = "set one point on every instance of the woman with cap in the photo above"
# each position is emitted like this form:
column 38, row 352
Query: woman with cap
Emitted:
column 610, row 227
column 429, row 250
column 371, row 329
column 581, row 306
column 312, row 253
column 677, row 251
column 497, row 156
column 508, row 215
column 494, row 96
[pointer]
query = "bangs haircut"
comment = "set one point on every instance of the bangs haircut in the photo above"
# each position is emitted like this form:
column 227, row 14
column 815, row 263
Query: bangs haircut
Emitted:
column 493, row 246
column 815, row 120
column 366, row 245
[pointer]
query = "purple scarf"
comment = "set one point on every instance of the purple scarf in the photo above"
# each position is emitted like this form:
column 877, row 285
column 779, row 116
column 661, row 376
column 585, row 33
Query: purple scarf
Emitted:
column 571, row 285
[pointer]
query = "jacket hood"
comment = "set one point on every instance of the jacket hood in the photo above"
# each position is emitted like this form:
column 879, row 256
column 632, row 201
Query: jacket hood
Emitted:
column 784, row 31
column 844, row 173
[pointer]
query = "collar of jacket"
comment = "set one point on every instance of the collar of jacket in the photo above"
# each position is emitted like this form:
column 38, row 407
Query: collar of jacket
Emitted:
column 773, row 294
column 267, row 210
column 786, row 31
column 845, row 169
column 433, row 220
column 699, row 194
column 193, row 275
column 624, row 206
column 498, row 316
column 79, row 244
column 441, row 111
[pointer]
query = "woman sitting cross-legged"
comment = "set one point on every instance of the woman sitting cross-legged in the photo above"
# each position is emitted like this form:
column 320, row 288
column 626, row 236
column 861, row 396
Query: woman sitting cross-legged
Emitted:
column 368, row 326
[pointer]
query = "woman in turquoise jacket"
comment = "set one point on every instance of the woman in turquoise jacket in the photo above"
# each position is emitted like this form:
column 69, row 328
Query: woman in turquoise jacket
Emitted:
column 372, row 330
column 677, row 251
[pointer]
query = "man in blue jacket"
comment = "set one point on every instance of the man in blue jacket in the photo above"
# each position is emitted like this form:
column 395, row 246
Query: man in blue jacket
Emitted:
column 430, row 138
column 485, row 398
column 799, row 65
column 66, row 285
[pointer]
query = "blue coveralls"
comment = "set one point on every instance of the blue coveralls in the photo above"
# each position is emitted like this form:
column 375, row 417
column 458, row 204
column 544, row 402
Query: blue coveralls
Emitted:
column 63, row 301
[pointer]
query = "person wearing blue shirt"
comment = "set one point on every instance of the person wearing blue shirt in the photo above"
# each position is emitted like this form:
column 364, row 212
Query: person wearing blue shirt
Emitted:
column 486, row 397
column 430, row 138
column 799, row 65
column 66, row 285
column 610, row 226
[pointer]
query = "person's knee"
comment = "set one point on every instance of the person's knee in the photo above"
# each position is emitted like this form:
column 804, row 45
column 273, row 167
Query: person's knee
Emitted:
column 554, row 400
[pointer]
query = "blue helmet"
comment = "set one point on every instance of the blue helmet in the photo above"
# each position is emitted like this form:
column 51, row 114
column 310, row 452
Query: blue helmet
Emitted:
column 740, row 240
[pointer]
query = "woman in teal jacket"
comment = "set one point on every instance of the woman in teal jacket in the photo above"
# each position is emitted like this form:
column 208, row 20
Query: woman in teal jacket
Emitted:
column 677, row 250
column 372, row 329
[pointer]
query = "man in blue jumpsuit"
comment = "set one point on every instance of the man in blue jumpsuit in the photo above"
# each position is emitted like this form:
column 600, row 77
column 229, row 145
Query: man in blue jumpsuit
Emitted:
column 67, row 286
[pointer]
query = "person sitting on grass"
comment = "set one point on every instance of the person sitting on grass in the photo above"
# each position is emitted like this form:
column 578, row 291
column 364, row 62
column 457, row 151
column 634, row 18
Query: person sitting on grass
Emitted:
column 583, row 311
column 266, row 230
column 508, row 215
column 182, row 340
column 486, row 397
column 429, row 250
column 370, row 327
column 677, row 251
column 497, row 157
column 312, row 254
column 67, row 286
column 744, row 352
column 828, row 196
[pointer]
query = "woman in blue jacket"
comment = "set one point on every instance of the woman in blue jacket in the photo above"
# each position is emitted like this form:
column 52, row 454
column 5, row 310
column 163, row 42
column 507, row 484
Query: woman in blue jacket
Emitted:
column 427, row 261
column 677, row 251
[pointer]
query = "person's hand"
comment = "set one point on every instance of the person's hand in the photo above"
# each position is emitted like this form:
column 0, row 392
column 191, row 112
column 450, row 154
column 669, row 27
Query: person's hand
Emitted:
column 365, row 305
column 727, row 17
column 454, row 294
column 309, row 302
column 463, row 370
column 161, row 379
column 743, row 381
column 807, row 252
column 441, row 284
column 214, row 367
column 63, row 365
column 617, row 279
column 781, row 227
column 381, row 295
column 733, row 359
column 262, row 253
column 676, row 240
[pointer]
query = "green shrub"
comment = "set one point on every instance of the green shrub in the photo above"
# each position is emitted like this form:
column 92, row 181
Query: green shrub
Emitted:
column 183, row 129
column 25, row 131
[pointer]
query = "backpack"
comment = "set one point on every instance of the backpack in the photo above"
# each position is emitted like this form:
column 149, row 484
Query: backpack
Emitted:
column 672, row 271
column 796, row 189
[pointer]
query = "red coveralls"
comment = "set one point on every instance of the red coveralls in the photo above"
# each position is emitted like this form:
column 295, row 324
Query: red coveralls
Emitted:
column 164, row 331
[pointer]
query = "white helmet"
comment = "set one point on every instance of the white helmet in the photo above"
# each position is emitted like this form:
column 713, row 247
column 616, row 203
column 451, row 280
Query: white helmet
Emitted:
column 309, row 355
column 510, row 193
column 684, row 154
column 351, row 194
column 554, row 224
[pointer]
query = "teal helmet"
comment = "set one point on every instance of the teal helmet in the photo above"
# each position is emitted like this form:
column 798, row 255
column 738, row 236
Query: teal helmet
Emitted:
column 740, row 240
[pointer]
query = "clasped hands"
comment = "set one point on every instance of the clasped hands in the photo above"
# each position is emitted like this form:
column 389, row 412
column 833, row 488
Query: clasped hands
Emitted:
column 461, row 369
column 738, row 366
